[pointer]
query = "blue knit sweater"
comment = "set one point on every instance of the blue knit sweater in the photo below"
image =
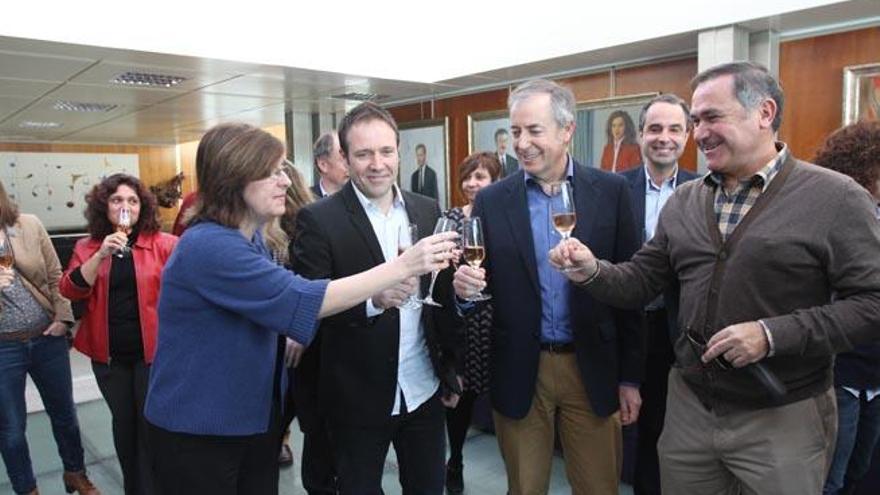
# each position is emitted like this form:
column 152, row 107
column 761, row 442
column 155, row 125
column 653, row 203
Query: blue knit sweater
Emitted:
column 222, row 304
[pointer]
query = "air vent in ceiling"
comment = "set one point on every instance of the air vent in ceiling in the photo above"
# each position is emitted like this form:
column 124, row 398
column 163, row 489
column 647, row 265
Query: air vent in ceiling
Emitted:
column 78, row 106
column 30, row 124
column 355, row 96
column 148, row 80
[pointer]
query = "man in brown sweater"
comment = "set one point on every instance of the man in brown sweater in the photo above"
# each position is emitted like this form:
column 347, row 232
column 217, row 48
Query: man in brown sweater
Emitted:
column 759, row 247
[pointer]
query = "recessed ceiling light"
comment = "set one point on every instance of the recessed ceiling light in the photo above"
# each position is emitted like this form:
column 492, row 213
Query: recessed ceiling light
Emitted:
column 30, row 124
column 148, row 80
column 76, row 106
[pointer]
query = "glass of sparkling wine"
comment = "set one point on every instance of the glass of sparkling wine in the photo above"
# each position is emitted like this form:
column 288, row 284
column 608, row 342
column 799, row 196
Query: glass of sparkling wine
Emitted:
column 562, row 211
column 407, row 235
column 123, row 225
column 474, row 250
column 444, row 224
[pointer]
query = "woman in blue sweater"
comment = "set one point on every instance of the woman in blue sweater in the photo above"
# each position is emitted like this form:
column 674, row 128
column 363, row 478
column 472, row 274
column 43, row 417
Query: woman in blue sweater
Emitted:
column 215, row 394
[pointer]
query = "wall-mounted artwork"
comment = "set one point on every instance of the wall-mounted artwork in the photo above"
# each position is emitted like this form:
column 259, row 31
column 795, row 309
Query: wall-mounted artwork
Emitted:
column 490, row 131
column 861, row 93
column 606, row 135
column 53, row 186
column 424, row 159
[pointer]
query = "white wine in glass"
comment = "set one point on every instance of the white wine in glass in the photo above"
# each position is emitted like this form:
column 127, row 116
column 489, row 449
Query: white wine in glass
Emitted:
column 6, row 257
column 123, row 225
column 407, row 235
column 562, row 211
column 474, row 250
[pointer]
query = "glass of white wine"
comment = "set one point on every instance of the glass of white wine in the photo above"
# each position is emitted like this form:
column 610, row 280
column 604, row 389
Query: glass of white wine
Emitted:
column 407, row 235
column 474, row 250
column 562, row 211
column 443, row 224
column 6, row 257
column 123, row 225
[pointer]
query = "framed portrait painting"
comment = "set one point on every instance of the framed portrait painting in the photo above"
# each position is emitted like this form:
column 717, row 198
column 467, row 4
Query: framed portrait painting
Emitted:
column 490, row 131
column 424, row 159
column 861, row 93
column 606, row 135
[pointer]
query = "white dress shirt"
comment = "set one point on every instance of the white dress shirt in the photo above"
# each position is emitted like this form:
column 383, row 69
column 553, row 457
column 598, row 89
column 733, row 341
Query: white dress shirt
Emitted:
column 416, row 379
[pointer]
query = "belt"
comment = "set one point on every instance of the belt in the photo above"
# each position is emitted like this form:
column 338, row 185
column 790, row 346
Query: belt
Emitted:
column 20, row 335
column 558, row 347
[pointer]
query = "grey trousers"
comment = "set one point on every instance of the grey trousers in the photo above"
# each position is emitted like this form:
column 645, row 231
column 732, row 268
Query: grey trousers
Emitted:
column 781, row 450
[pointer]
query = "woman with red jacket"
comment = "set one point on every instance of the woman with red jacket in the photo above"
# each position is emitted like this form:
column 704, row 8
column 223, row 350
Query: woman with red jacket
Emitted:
column 117, row 271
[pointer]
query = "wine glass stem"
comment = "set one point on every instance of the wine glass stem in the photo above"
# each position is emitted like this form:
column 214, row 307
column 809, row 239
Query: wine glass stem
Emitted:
column 431, row 287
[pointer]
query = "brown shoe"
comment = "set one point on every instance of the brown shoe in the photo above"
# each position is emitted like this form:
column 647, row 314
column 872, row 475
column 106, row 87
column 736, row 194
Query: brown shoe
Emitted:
column 79, row 482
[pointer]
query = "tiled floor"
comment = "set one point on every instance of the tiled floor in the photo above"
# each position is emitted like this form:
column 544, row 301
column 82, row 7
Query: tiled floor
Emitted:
column 484, row 471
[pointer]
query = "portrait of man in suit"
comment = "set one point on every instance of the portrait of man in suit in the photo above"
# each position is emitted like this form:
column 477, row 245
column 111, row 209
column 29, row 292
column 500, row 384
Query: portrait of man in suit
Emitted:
column 386, row 368
column 424, row 180
column 509, row 164
column 329, row 165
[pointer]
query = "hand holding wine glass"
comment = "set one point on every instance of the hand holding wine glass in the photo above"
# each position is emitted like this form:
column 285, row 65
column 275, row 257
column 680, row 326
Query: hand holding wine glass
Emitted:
column 444, row 224
column 562, row 211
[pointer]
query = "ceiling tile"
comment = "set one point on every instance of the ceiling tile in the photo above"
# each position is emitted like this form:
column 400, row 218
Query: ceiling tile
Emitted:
column 40, row 67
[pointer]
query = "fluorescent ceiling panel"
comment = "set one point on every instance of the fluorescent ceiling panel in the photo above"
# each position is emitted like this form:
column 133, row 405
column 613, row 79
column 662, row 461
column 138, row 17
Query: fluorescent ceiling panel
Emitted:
column 410, row 41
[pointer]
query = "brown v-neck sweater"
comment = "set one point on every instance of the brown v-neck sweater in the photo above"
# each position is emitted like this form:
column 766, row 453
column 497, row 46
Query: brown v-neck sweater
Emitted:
column 812, row 233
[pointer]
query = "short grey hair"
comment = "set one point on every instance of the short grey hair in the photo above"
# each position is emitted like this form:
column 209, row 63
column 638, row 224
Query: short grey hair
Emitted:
column 672, row 99
column 323, row 147
column 752, row 84
column 561, row 98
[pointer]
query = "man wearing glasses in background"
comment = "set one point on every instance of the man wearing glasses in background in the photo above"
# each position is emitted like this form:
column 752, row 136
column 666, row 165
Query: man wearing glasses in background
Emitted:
column 778, row 267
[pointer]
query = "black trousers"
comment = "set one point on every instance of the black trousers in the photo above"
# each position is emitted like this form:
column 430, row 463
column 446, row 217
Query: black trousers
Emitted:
column 218, row 465
column 458, row 420
column 124, row 387
column 318, row 468
column 660, row 356
column 418, row 439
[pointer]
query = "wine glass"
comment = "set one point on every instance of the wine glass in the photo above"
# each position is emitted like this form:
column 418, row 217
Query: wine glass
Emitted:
column 407, row 235
column 6, row 257
column 474, row 250
column 562, row 211
column 443, row 224
column 123, row 225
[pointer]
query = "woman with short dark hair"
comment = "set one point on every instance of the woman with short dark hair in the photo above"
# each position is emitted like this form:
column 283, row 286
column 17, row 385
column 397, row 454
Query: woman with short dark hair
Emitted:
column 116, row 271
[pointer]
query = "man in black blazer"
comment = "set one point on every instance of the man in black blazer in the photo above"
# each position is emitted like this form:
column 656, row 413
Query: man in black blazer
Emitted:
column 556, row 352
column 664, row 123
column 329, row 164
column 424, row 180
column 386, row 369
column 509, row 164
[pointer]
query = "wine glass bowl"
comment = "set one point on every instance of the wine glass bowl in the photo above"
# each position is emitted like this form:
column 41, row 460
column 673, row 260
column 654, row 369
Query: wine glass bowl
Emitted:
column 563, row 216
column 474, row 250
column 7, row 260
column 123, row 224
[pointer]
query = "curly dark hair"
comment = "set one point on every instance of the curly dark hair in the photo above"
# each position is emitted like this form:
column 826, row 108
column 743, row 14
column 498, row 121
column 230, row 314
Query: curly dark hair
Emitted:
column 629, row 129
column 854, row 150
column 99, row 225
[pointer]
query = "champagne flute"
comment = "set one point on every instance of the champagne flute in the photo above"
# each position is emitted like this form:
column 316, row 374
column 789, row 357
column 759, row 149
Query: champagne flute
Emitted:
column 474, row 250
column 562, row 211
column 123, row 225
column 444, row 224
column 407, row 235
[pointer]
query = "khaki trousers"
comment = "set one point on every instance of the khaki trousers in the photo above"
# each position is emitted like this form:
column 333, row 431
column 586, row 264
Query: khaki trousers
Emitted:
column 591, row 445
column 780, row 450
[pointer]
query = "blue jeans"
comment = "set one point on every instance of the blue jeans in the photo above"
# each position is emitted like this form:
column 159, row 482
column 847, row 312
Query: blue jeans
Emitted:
column 858, row 428
column 47, row 360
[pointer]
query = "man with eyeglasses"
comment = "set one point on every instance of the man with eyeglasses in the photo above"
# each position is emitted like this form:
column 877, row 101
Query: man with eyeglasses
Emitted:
column 759, row 246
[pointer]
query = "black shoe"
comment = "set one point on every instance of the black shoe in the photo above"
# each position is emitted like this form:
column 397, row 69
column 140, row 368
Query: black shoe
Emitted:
column 454, row 479
column 285, row 458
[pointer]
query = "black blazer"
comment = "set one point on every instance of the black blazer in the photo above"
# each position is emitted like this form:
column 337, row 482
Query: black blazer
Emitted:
column 430, row 189
column 608, row 341
column 510, row 166
column 359, row 355
column 636, row 179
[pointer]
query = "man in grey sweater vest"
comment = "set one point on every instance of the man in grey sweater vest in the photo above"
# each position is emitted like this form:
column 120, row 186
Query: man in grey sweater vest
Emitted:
column 758, row 246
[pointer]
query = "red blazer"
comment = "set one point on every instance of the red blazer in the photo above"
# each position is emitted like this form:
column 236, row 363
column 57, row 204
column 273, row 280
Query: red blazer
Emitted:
column 629, row 156
column 151, row 251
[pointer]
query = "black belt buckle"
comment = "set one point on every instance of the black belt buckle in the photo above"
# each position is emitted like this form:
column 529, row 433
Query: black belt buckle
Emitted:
column 557, row 347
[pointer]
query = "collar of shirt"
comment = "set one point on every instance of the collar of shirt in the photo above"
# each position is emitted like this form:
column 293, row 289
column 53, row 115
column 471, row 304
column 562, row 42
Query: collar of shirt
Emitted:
column 672, row 181
column 762, row 177
column 569, row 173
column 321, row 187
column 369, row 205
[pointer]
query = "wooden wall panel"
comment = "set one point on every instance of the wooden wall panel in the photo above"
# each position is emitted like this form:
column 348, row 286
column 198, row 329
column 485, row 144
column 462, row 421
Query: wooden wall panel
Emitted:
column 589, row 87
column 811, row 73
column 155, row 163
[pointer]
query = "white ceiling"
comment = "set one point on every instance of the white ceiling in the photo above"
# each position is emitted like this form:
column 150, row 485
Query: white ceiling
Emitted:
column 34, row 74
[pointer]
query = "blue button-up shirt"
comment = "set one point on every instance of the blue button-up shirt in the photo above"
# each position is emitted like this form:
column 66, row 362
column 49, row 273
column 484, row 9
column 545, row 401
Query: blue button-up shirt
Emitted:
column 555, row 311
column 655, row 198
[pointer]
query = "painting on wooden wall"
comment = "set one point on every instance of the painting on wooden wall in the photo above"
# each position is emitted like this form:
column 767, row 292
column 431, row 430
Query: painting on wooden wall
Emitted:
column 861, row 93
